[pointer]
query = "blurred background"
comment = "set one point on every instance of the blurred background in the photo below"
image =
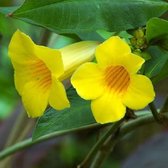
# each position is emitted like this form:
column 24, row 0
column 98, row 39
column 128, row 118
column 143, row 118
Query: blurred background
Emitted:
column 145, row 147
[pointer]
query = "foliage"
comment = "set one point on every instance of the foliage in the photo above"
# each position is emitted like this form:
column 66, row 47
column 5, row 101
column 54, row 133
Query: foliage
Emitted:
column 79, row 115
column 143, row 24
column 79, row 15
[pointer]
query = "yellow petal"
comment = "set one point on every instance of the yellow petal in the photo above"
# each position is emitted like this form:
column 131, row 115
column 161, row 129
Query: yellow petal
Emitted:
column 35, row 99
column 112, row 51
column 34, row 70
column 88, row 81
column 21, row 48
column 108, row 108
column 51, row 58
column 21, row 76
column 58, row 98
column 75, row 54
column 140, row 92
column 132, row 63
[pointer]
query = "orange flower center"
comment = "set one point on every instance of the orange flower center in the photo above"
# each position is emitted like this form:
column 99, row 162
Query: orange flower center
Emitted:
column 117, row 78
column 41, row 74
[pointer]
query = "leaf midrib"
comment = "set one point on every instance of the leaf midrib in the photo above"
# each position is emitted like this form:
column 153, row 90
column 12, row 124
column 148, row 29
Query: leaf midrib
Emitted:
column 157, row 65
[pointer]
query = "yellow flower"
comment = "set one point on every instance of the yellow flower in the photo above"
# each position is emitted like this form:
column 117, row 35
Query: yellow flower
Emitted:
column 113, row 83
column 39, row 69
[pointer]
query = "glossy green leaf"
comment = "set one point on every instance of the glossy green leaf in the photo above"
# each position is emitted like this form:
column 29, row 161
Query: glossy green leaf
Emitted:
column 76, row 16
column 145, row 55
column 77, row 116
column 158, row 59
column 94, row 36
column 156, row 28
column 163, row 74
column 157, row 32
column 105, row 34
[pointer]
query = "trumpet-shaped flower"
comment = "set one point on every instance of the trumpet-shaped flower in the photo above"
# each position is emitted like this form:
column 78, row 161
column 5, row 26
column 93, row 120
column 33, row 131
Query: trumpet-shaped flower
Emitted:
column 39, row 71
column 113, row 83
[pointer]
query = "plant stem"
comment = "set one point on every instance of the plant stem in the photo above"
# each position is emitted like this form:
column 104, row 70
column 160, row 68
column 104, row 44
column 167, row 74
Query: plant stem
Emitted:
column 104, row 151
column 16, row 128
column 26, row 143
column 19, row 124
column 111, row 142
column 126, row 128
column 95, row 148
column 155, row 112
column 26, row 130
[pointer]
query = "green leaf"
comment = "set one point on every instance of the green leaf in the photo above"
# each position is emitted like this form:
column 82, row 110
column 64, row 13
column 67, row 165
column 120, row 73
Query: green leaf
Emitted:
column 156, row 28
column 158, row 59
column 145, row 55
column 157, row 32
column 162, row 75
column 105, row 34
column 94, row 36
column 76, row 16
column 77, row 116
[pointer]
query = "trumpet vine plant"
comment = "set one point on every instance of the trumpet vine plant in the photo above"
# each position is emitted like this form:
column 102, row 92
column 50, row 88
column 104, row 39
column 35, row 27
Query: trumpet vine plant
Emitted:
column 105, row 78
